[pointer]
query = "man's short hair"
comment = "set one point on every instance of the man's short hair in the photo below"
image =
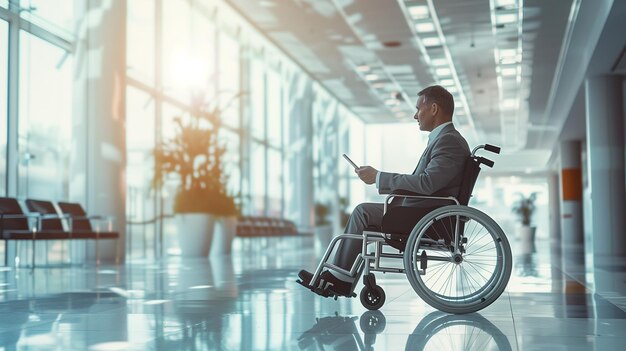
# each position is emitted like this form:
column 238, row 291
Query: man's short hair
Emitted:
column 440, row 96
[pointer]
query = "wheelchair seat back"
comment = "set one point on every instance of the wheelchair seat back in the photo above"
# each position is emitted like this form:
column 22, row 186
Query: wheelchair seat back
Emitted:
column 399, row 221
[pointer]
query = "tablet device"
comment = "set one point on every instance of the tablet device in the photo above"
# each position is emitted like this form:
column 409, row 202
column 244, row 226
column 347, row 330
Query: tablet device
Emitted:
column 350, row 161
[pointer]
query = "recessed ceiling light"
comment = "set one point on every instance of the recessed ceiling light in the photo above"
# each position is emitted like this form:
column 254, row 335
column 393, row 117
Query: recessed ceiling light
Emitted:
column 506, row 18
column 509, row 71
column 401, row 114
column 425, row 27
column 508, row 60
column 447, row 82
column 509, row 103
column 431, row 41
column 363, row 68
column 505, row 3
column 371, row 76
column 378, row 85
column 452, row 90
column 267, row 3
column 443, row 71
column 418, row 12
column 507, row 53
column 439, row 62
column 396, row 109
column 391, row 102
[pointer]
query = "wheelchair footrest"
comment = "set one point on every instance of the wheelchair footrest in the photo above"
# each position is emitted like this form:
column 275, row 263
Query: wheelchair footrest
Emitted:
column 328, row 292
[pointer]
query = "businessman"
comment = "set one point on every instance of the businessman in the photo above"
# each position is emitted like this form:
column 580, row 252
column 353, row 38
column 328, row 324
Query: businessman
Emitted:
column 439, row 172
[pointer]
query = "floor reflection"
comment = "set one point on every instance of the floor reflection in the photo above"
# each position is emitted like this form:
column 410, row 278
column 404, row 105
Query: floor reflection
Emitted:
column 341, row 333
column 33, row 322
column 437, row 331
column 250, row 301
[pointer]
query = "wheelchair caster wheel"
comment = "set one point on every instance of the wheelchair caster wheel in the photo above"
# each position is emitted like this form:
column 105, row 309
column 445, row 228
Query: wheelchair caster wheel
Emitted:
column 372, row 299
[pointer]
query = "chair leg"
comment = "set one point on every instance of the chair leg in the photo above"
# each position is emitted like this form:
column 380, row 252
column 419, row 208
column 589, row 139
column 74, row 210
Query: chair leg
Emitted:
column 117, row 250
column 97, row 253
column 6, row 253
column 32, row 267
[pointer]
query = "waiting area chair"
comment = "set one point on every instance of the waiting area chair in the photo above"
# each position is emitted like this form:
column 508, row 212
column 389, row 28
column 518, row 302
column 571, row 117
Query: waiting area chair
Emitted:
column 43, row 222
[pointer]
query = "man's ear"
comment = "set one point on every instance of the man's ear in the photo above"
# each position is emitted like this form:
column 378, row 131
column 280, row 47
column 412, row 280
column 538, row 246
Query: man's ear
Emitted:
column 434, row 108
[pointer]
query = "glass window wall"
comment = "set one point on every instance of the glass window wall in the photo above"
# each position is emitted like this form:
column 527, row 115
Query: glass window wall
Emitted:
column 231, row 141
column 274, row 183
column 257, row 99
column 140, row 196
column 45, row 128
column 45, row 114
column 206, row 53
column 229, row 79
column 55, row 15
column 4, row 53
column 274, row 111
column 257, row 179
column 140, row 40
column 179, row 66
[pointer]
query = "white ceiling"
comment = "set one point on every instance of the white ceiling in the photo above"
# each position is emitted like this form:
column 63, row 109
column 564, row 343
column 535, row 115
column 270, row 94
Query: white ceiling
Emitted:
column 330, row 38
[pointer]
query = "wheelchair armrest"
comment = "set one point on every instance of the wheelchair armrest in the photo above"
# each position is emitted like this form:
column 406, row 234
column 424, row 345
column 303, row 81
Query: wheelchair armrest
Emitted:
column 409, row 194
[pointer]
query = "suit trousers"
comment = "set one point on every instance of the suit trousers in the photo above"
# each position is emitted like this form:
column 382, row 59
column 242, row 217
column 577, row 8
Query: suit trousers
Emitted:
column 363, row 216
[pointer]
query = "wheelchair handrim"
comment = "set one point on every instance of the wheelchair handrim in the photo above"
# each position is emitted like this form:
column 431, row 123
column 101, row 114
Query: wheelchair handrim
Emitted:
column 490, row 290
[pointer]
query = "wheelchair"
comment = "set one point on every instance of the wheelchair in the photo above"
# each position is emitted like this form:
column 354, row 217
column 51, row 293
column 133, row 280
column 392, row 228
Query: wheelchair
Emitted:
column 456, row 258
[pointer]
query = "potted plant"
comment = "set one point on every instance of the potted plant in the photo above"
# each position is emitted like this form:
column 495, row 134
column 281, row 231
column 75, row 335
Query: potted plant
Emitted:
column 525, row 207
column 195, row 156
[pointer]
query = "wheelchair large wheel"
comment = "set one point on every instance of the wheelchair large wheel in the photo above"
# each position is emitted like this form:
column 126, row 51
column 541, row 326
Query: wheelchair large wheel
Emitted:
column 462, row 281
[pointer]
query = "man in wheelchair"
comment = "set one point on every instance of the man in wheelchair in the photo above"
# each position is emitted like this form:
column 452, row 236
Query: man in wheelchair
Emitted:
column 439, row 173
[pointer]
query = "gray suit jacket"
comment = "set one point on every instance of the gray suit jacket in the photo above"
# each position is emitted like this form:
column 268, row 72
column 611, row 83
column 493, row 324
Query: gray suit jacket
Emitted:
column 439, row 171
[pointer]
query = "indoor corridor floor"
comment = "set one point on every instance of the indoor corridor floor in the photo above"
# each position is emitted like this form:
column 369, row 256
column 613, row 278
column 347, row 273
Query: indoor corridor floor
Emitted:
column 250, row 301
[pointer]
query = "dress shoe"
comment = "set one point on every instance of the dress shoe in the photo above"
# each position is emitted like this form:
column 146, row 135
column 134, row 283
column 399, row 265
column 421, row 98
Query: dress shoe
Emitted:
column 305, row 276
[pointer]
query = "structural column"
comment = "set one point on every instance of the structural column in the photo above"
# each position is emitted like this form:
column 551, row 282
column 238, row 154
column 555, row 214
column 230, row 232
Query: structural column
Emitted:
column 99, row 150
column 299, row 197
column 572, row 231
column 605, row 150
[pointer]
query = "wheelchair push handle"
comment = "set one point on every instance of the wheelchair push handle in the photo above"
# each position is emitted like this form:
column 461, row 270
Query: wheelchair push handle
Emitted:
column 492, row 148
column 488, row 147
column 486, row 162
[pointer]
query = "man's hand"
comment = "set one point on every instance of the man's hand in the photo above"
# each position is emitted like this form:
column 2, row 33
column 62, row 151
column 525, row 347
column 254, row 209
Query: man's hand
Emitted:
column 367, row 174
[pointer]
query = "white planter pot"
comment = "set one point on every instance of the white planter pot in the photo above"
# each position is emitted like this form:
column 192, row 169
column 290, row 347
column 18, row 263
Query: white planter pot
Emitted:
column 225, row 232
column 527, row 239
column 195, row 233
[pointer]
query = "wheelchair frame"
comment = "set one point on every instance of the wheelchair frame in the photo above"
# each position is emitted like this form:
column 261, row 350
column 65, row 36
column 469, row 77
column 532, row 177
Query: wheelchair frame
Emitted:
column 370, row 261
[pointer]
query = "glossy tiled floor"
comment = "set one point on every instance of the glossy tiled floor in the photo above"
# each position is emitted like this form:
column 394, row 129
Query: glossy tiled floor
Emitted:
column 250, row 301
